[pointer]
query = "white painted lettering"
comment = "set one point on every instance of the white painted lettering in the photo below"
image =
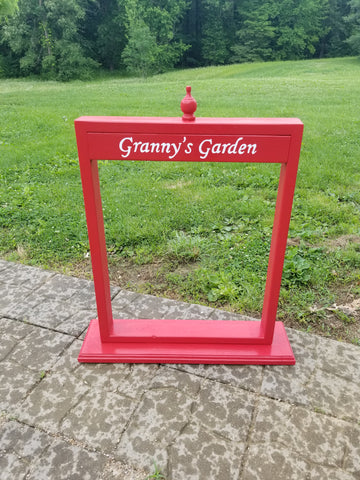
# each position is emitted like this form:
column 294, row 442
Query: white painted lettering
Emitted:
column 252, row 148
column 188, row 148
column 165, row 148
column 216, row 148
column 204, row 152
column 136, row 144
column 233, row 148
column 125, row 148
column 145, row 148
column 155, row 147
column 224, row 147
column 242, row 148
column 176, row 150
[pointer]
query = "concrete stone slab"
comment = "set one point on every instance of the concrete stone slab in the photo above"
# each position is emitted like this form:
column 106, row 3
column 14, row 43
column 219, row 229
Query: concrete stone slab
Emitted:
column 103, row 376
column 334, row 395
column 199, row 454
column 12, row 467
column 63, row 287
column 123, row 298
column 26, row 452
column 84, row 298
column 198, row 312
column 120, row 471
column 42, row 311
column 290, row 383
column 199, row 370
column 137, row 381
column 98, row 419
column 77, row 323
column 161, row 415
column 340, row 359
column 267, row 462
column 166, row 377
column 148, row 306
column 15, row 329
column 177, row 310
column 315, row 437
column 225, row 410
column 4, row 265
column 248, row 377
column 11, row 332
column 40, row 349
column 19, row 445
column 50, row 401
column 351, row 462
column 25, row 441
column 10, row 296
column 16, row 381
column 325, row 376
column 79, row 292
column 67, row 461
column 7, row 344
column 129, row 380
column 224, row 315
column 30, row 277
column 67, row 363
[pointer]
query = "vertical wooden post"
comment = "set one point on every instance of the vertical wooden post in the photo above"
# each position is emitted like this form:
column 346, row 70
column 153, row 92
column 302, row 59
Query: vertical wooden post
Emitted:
column 96, row 233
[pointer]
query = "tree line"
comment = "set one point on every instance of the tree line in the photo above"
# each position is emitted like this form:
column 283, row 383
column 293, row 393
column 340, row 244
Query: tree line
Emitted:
column 65, row 39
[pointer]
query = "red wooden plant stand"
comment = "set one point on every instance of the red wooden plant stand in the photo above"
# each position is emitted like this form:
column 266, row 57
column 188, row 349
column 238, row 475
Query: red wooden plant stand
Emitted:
column 187, row 139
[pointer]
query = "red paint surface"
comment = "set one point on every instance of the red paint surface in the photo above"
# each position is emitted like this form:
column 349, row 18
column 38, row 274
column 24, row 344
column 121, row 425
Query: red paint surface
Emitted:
column 261, row 140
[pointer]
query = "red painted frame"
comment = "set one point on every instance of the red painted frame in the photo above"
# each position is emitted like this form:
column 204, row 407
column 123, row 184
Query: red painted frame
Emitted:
column 276, row 140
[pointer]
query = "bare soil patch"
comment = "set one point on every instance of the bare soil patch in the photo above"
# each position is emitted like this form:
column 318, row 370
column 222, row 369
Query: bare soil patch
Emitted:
column 339, row 321
column 343, row 241
column 147, row 278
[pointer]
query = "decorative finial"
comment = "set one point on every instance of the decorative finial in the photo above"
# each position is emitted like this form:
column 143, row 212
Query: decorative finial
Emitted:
column 188, row 106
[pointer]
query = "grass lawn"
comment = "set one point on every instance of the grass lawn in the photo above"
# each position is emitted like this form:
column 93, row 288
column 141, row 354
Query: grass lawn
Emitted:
column 198, row 232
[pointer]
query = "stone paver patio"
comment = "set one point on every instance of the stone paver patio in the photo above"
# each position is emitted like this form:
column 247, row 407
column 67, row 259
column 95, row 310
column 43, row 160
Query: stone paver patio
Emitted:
column 65, row 420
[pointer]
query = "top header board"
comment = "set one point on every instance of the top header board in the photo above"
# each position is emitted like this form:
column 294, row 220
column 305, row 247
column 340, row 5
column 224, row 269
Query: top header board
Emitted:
column 205, row 140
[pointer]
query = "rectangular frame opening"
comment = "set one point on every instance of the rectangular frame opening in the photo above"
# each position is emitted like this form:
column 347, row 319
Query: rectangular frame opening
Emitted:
column 169, row 139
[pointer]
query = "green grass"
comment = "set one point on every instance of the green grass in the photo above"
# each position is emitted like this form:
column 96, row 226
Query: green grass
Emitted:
column 157, row 475
column 205, row 228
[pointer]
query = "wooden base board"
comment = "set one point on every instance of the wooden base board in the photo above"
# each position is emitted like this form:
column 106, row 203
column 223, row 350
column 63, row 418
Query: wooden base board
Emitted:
column 195, row 351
